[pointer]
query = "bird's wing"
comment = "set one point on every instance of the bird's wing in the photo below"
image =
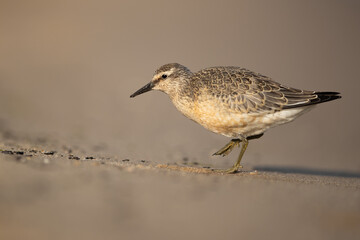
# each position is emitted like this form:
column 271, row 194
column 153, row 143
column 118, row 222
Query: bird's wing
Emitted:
column 248, row 92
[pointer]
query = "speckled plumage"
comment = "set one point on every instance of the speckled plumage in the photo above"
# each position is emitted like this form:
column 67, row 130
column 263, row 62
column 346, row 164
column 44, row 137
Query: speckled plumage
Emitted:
column 233, row 101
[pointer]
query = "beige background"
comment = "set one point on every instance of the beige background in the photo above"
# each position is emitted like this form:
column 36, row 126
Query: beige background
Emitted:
column 67, row 69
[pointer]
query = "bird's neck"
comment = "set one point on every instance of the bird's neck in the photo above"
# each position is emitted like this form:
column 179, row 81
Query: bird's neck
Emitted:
column 179, row 88
column 182, row 97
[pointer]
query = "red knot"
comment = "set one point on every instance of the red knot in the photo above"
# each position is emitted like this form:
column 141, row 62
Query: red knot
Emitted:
column 233, row 101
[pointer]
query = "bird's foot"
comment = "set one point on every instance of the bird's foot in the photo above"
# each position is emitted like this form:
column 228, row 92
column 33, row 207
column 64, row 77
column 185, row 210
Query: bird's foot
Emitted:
column 233, row 169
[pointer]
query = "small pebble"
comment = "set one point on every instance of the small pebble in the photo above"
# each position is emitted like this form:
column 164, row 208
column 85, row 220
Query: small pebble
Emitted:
column 73, row 157
column 50, row 153
column 13, row 152
column 46, row 161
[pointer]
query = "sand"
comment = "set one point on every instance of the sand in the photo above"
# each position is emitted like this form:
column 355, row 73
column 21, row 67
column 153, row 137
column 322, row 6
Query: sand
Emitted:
column 50, row 190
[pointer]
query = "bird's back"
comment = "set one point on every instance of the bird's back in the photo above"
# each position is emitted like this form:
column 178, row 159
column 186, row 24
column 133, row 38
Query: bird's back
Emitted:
column 249, row 92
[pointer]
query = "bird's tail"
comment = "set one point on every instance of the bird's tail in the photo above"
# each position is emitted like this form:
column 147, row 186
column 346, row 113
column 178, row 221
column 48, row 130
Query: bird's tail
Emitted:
column 310, row 99
column 325, row 97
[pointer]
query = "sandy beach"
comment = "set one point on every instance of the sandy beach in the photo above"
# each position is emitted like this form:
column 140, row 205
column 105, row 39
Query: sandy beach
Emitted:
column 49, row 190
column 79, row 159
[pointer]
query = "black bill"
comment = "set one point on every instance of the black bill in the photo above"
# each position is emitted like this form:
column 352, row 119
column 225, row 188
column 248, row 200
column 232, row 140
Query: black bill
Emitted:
column 144, row 89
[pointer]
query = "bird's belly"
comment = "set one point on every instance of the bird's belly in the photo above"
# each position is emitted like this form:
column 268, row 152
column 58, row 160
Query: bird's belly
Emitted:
column 215, row 117
column 233, row 124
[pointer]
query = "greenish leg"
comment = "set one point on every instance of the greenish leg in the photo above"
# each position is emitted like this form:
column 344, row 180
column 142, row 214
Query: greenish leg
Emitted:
column 237, row 165
column 233, row 143
column 228, row 147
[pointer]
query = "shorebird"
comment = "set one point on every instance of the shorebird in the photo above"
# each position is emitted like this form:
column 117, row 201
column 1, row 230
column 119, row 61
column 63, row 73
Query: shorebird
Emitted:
column 233, row 101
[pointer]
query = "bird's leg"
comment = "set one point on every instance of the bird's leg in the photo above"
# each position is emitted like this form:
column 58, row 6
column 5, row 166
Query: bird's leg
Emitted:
column 228, row 147
column 237, row 165
column 234, row 142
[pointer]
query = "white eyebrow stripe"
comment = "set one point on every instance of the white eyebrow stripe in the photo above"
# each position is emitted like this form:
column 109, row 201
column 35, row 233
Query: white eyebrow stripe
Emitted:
column 160, row 74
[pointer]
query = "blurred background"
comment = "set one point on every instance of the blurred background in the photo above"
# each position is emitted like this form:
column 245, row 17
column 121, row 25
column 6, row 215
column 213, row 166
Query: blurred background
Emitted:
column 67, row 69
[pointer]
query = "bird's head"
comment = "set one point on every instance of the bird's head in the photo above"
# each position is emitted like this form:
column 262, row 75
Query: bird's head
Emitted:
column 168, row 78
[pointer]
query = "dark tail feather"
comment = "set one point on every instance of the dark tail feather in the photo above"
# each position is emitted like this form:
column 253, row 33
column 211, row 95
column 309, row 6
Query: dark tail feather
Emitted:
column 320, row 98
column 325, row 97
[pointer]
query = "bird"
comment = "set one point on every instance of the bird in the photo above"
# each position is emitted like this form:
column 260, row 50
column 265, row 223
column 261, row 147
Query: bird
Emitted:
column 233, row 101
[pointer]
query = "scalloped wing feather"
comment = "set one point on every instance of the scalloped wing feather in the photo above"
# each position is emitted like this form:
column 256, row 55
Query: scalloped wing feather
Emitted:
column 249, row 92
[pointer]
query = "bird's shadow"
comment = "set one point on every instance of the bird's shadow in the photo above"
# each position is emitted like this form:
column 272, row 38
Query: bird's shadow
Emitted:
column 308, row 171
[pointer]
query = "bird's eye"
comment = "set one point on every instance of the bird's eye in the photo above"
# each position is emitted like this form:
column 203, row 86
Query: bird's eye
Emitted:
column 164, row 76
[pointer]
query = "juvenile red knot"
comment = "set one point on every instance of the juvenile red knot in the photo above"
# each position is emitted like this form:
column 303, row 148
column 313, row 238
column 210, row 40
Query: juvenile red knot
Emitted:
column 233, row 101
